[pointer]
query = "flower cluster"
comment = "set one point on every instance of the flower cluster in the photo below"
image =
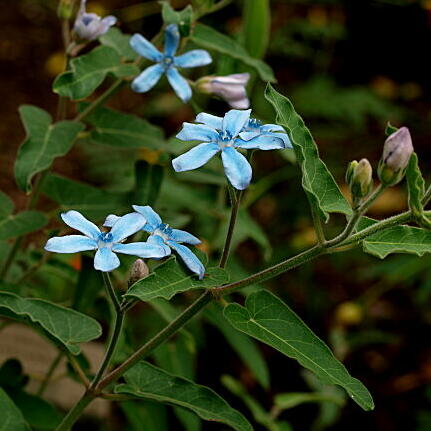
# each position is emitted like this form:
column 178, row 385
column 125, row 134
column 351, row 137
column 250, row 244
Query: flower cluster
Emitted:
column 236, row 130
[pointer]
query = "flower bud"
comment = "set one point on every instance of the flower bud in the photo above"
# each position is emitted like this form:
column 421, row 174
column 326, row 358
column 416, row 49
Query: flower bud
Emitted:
column 138, row 271
column 396, row 154
column 231, row 88
column 90, row 26
column 359, row 177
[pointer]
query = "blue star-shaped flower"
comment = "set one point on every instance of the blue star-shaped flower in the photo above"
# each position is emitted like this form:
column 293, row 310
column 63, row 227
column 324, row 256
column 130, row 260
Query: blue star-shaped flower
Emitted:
column 226, row 135
column 164, row 236
column 167, row 63
column 106, row 243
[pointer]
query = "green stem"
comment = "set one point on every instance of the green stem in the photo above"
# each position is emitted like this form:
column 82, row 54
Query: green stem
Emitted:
column 318, row 228
column 49, row 374
column 11, row 256
column 111, row 291
column 76, row 411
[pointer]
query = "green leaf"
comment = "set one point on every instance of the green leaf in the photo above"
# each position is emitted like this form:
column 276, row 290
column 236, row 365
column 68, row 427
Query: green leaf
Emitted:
column 398, row 239
column 124, row 130
column 44, row 142
column 90, row 70
column 243, row 345
column 6, row 205
column 115, row 39
column 294, row 399
column 171, row 278
column 145, row 415
column 22, row 223
column 208, row 38
column 257, row 27
column 11, row 418
column 93, row 202
column 266, row 318
column 146, row 381
column 63, row 326
column 182, row 18
column 317, row 181
column 416, row 186
column 149, row 180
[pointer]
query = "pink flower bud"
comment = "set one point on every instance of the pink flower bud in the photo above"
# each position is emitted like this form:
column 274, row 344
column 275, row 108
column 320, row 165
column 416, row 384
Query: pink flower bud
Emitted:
column 397, row 149
column 231, row 88
column 138, row 271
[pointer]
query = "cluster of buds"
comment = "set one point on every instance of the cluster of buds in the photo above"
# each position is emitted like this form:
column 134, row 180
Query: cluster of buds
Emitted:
column 359, row 177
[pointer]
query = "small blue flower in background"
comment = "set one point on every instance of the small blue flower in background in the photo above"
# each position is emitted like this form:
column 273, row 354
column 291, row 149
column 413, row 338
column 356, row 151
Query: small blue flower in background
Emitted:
column 226, row 135
column 167, row 63
column 164, row 236
column 106, row 243
column 90, row 26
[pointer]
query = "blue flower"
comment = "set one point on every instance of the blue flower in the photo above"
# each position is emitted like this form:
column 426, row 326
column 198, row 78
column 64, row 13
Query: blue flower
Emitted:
column 106, row 243
column 225, row 135
column 90, row 26
column 167, row 63
column 164, row 236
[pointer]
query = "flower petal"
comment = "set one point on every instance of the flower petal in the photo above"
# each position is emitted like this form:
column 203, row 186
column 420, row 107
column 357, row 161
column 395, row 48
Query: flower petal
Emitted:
column 158, row 240
column 178, row 235
column 145, row 48
column 272, row 128
column 77, row 221
column 236, row 167
column 235, row 120
column 153, row 219
column 147, row 79
column 197, row 132
column 179, row 84
column 210, row 120
column 172, row 39
column 193, row 58
column 70, row 244
column 189, row 258
column 263, row 142
column 141, row 249
column 111, row 220
column 127, row 225
column 105, row 260
column 196, row 157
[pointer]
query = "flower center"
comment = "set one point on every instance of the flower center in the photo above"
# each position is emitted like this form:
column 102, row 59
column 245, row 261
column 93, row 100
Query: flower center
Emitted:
column 86, row 20
column 167, row 61
column 105, row 239
column 253, row 123
column 225, row 139
column 164, row 231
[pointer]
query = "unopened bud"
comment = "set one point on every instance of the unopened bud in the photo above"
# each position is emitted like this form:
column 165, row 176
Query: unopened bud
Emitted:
column 231, row 88
column 138, row 271
column 65, row 9
column 359, row 177
column 396, row 154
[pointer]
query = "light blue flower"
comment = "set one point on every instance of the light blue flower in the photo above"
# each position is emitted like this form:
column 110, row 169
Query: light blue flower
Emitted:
column 106, row 243
column 166, row 237
column 226, row 135
column 167, row 63
column 90, row 26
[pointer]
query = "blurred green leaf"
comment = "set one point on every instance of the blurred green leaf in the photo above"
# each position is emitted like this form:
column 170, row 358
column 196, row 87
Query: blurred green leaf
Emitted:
column 11, row 418
column 149, row 180
column 145, row 415
column 64, row 326
column 90, row 70
column 257, row 27
column 44, row 142
column 182, row 18
column 171, row 278
column 294, row 399
column 6, row 205
column 114, row 38
column 266, row 318
column 317, row 181
column 146, row 381
column 208, row 38
column 22, row 223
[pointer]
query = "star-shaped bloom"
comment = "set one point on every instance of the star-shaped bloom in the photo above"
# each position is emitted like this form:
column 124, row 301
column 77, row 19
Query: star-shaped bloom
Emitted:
column 166, row 237
column 224, row 135
column 90, row 26
column 167, row 63
column 106, row 243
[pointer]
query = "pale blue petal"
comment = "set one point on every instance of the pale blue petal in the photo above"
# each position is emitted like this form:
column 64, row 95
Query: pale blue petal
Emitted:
column 284, row 138
column 111, row 220
column 179, row 84
column 246, row 136
column 106, row 23
column 210, row 120
column 172, row 39
column 197, row 132
column 192, row 262
column 147, row 79
column 77, row 221
column 127, row 225
column 272, row 128
column 235, row 120
column 70, row 244
column 105, row 260
column 183, row 236
column 145, row 48
column 193, row 58
column 158, row 240
column 140, row 249
column 262, row 142
column 196, row 157
column 153, row 219
column 236, row 167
